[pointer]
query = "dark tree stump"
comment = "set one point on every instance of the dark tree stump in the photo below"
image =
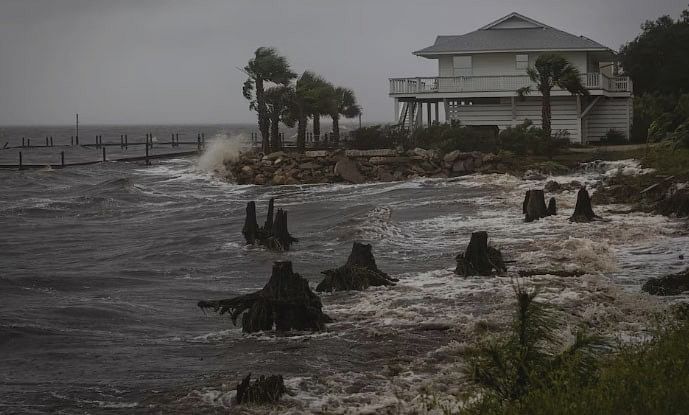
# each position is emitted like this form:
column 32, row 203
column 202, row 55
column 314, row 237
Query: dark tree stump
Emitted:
column 583, row 212
column 264, row 390
column 359, row 273
column 285, row 303
column 273, row 235
column 552, row 207
column 479, row 258
column 534, row 207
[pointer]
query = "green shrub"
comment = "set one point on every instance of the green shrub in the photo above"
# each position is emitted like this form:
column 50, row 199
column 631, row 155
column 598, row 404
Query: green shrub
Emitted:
column 614, row 137
column 453, row 136
column 526, row 139
column 377, row 137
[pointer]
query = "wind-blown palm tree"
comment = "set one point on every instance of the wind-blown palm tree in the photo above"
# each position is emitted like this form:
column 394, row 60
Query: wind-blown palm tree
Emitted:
column 266, row 66
column 278, row 101
column 307, row 94
column 345, row 105
column 551, row 71
column 324, row 103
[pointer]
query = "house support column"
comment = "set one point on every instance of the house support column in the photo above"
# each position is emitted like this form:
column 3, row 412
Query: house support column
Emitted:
column 437, row 112
column 419, row 114
column 397, row 111
column 429, row 114
column 514, row 110
column 579, row 121
column 446, row 104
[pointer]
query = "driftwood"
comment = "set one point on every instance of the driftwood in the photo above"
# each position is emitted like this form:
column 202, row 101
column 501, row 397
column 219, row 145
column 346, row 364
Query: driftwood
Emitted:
column 264, row 390
column 534, row 206
column 479, row 258
column 273, row 235
column 359, row 273
column 583, row 212
column 285, row 303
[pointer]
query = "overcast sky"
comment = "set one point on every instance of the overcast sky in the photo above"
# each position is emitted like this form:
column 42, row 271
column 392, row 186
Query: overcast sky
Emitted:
column 174, row 61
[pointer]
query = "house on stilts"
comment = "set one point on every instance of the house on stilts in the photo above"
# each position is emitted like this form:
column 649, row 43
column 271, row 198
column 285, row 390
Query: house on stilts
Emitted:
column 480, row 72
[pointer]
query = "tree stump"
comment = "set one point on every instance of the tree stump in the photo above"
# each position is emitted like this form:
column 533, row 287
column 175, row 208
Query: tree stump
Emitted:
column 479, row 258
column 264, row 390
column 285, row 303
column 359, row 273
column 552, row 207
column 273, row 235
column 534, row 207
column 583, row 212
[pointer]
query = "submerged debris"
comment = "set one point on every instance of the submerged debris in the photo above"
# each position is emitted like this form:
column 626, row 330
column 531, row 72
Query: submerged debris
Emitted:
column 285, row 303
column 359, row 273
column 263, row 391
column 673, row 284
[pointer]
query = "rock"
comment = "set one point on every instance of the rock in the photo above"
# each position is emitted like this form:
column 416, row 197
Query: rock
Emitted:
column 348, row 170
column 291, row 180
column 674, row 284
column 384, row 175
column 426, row 154
column 316, row 153
column 371, row 153
column 450, row 158
column 247, row 170
column 533, row 175
column 309, row 166
column 275, row 155
column 278, row 180
column 552, row 186
column 574, row 184
column 459, row 167
column 388, row 160
column 260, row 179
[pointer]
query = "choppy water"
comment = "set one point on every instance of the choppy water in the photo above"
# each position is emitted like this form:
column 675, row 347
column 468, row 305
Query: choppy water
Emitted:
column 101, row 268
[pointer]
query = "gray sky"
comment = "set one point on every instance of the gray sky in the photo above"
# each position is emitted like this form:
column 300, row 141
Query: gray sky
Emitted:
column 174, row 61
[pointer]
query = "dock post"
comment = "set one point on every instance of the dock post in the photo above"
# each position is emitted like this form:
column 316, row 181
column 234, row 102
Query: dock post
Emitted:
column 20, row 161
column 22, row 142
column 126, row 141
column 148, row 163
column 76, row 139
column 46, row 142
column 51, row 141
column 177, row 138
column 198, row 142
column 203, row 139
column 71, row 140
column 103, row 153
column 121, row 141
column 62, row 158
column 28, row 141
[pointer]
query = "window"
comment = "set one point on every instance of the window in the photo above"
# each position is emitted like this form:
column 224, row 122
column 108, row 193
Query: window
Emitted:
column 462, row 65
column 522, row 61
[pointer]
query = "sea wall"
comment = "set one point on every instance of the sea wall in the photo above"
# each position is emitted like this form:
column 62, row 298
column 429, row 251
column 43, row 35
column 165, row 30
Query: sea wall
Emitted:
column 356, row 166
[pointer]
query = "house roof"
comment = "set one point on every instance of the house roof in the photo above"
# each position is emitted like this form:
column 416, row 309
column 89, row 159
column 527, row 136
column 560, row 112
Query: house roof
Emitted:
column 513, row 32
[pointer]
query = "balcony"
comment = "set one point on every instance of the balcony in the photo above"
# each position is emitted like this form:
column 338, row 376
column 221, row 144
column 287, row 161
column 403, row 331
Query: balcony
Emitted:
column 597, row 83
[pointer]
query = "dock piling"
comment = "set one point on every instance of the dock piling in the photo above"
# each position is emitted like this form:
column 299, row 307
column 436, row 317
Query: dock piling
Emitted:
column 103, row 153
column 46, row 141
column 20, row 160
column 23, row 145
column 62, row 158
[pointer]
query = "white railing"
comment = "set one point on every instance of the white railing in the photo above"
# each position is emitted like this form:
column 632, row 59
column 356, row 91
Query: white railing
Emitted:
column 496, row 83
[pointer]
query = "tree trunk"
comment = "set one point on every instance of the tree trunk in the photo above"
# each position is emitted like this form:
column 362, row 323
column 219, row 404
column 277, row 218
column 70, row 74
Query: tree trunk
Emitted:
column 263, row 119
column 336, row 128
column 250, row 229
column 285, row 303
column 583, row 212
column 268, row 225
column 316, row 127
column 275, row 132
column 534, row 207
column 546, row 114
column 552, row 207
column 479, row 258
column 301, row 134
column 262, row 391
column 359, row 273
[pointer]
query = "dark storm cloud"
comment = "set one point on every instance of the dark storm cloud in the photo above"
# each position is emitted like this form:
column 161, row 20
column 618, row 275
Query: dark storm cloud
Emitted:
column 170, row 61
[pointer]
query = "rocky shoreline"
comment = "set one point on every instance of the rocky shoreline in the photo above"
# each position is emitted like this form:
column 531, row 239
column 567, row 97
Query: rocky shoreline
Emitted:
column 359, row 166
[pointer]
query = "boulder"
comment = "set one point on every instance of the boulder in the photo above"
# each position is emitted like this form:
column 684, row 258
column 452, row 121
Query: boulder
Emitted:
column 533, row 175
column 388, row 160
column 674, row 284
column 309, row 165
column 552, row 186
column 384, row 175
column 247, row 170
column 275, row 155
column 371, row 153
column 279, row 180
column 260, row 179
column 316, row 153
column 348, row 170
column 459, row 166
column 450, row 158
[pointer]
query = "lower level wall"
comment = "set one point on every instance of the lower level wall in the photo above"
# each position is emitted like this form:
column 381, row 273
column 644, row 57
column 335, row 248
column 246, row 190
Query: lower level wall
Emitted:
column 608, row 113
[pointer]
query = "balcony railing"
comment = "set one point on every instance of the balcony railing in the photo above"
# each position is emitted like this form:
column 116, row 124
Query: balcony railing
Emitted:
column 497, row 83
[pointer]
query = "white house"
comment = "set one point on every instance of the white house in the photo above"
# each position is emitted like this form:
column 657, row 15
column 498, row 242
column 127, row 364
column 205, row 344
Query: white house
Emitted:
column 480, row 72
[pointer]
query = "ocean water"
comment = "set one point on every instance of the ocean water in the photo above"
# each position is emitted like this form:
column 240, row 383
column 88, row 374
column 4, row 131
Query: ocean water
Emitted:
column 101, row 268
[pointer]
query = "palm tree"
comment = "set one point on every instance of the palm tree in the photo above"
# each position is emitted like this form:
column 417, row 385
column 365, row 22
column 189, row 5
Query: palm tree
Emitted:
column 307, row 94
column 266, row 66
column 552, row 71
column 278, row 101
column 324, row 103
column 345, row 105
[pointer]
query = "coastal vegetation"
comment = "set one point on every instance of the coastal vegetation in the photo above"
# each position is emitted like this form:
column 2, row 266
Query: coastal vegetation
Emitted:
column 279, row 96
